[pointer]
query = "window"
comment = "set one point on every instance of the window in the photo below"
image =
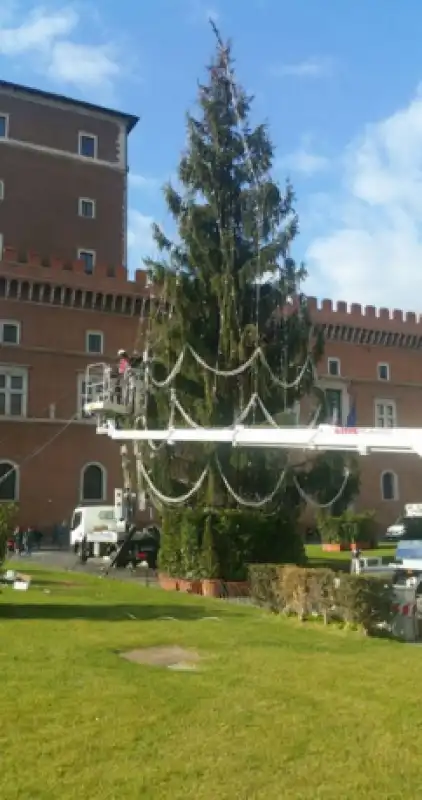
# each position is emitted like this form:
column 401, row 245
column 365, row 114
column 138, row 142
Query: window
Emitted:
column 88, row 257
column 4, row 126
column 334, row 400
column 93, row 483
column 13, row 392
column 88, row 145
column 334, row 367
column 94, row 342
column 385, row 414
column 9, row 332
column 76, row 520
column 86, row 208
column 1, row 190
column 389, row 486
column 9, row 481
column 383, row 372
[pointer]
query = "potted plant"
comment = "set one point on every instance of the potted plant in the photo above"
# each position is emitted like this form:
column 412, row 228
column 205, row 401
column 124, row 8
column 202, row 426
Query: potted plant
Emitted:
column 329, row 528
column 169, row 556
column 190, row 566
column 211, row 583
column 347, row 531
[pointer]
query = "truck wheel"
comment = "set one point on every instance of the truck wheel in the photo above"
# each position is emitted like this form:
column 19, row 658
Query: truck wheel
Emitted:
column 84, row 552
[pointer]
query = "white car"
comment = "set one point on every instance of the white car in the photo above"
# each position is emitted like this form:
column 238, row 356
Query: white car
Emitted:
column 396, row 531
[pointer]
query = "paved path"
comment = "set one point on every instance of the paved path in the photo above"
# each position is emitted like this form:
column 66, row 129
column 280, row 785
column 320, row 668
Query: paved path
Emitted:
column 66, row 560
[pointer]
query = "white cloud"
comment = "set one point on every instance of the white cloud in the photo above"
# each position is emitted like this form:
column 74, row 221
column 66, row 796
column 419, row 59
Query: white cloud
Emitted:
column 139, row 181
column 83, row 65
column 49, row 39
column 140, row 241
column 310, row 68
column 303, row 160
column 373, row 252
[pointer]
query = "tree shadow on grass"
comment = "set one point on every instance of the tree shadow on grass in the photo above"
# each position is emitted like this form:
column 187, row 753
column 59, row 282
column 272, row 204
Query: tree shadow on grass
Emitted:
column 105, row 613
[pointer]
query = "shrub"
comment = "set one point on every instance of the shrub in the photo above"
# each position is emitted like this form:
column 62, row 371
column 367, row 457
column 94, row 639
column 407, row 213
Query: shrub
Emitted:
column 298, row 589
column 347, row 528
column 207, row 548
column 8, row 512
column 365, row 601
column 169, row 557
column 189, row 562
column 352, row 599
column 263, row 584
column 221, row 544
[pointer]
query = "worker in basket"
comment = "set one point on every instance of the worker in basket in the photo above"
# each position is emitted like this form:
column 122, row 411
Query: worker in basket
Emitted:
column 119, row 376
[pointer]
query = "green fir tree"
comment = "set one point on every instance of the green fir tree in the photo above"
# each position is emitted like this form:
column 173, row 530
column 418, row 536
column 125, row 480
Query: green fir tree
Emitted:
column 225, row 285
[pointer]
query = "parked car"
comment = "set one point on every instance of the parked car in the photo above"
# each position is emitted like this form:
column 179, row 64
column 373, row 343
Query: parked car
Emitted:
column 396, row 531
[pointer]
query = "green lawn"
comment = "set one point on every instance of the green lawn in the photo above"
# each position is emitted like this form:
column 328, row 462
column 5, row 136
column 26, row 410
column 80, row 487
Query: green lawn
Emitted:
column 341, row 560
column 278, row 710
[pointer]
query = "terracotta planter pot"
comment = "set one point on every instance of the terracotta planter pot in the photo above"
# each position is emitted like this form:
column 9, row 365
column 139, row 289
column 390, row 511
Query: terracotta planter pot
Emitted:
column 167, row 583
column 335, row 547
column 190, row 586
column 211, row 587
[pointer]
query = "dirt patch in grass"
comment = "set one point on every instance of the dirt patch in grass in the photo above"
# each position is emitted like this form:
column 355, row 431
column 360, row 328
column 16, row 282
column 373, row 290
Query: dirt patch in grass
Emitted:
column 168, row 656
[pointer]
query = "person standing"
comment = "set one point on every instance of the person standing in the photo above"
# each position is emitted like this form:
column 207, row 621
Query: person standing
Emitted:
column 27, row 541
column 355, row 562
column 18, row 540
column 64, row 534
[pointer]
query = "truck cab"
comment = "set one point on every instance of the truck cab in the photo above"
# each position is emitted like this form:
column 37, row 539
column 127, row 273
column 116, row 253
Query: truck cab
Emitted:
column 98, row 525
column 409, row 548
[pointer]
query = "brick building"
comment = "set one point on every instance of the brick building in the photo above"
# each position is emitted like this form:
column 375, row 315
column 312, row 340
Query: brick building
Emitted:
column 373, row 359
column 53, row 323
column 65, row 299
column 63, row 177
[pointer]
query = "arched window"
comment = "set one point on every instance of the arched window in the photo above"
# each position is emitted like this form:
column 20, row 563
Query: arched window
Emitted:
column 389, row 486
column 9, row 482
column 94, row 483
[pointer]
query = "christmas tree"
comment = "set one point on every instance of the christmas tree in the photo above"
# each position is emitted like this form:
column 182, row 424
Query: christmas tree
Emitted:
column 228, row 284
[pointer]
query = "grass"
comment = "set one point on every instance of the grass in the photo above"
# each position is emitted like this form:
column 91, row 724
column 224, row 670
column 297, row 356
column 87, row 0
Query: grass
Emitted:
column 341, row 559
column 280, row 710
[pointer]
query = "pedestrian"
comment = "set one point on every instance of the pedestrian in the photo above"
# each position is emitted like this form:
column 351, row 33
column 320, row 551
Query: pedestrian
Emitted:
column 18, row 539
column 64, row 534
column 27, row 541
column 355, row 562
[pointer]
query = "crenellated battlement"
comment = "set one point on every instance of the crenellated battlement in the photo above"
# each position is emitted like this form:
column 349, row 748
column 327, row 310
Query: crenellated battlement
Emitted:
column 34, row 267
column 327, row 312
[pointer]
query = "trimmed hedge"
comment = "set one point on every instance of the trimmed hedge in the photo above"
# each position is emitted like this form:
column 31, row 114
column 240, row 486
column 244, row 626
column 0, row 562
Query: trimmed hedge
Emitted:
column 221, row 544
column 352, row 599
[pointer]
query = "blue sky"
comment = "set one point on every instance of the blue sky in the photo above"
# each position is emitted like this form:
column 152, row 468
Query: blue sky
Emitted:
column 339, row 84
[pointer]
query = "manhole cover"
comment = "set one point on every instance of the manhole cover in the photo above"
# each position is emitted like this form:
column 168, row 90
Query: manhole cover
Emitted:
column 166, row 656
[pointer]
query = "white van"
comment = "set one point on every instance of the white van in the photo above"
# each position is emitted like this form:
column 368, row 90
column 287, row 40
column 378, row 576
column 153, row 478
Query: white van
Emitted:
column 97, row 524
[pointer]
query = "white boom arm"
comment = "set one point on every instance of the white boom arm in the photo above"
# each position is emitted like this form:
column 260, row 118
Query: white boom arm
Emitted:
column 325, row 437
